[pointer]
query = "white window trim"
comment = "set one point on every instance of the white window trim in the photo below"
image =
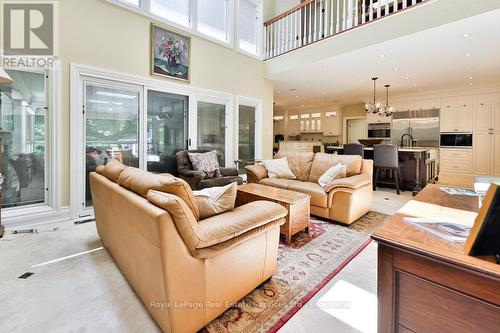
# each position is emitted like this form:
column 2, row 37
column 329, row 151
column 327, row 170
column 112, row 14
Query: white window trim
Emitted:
column 51, row 209
column 194, row 94
column 191, row 29
column 260, row 30
column 257, row 104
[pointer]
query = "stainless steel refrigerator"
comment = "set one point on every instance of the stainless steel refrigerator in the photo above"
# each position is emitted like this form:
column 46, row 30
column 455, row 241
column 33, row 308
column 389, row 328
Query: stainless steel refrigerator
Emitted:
column 422, row 125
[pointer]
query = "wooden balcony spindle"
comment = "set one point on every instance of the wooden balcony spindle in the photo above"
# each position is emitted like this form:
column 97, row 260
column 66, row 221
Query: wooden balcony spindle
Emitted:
column 337, row 29
column 370, row 10
column 363, row 12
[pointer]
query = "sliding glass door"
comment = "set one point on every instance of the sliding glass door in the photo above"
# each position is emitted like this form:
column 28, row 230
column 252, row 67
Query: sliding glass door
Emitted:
column 23, row 134
column 211, row 128
column 167, row 128
column 111, row 127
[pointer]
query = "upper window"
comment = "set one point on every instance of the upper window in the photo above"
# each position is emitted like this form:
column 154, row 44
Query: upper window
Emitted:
column 173, row 10
column 132, row 2
column 213, row 19
column 248, row 26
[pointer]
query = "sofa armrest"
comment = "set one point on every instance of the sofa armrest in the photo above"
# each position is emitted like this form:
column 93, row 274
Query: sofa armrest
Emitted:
column 223, row 227
column 367, row 167
column 195, row 174
column 225, row 172
column 352, row 182
column 255, row 173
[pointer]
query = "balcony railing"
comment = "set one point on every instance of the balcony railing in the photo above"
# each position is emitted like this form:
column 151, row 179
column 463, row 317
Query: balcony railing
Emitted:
column 314, row 20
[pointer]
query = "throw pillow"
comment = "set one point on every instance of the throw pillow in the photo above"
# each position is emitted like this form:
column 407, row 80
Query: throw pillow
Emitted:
column 335, row 172
column 278, row 168
column 216, row 200
column 206, row 162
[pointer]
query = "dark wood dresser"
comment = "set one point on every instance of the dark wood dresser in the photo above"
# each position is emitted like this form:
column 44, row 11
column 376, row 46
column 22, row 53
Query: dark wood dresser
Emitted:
column 427, row 284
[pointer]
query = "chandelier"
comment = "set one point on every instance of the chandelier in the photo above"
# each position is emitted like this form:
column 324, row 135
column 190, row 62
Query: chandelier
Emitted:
column 388, row 110
column 373, row 107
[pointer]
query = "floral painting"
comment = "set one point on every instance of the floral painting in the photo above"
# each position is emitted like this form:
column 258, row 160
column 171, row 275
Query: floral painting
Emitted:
column 170, row 53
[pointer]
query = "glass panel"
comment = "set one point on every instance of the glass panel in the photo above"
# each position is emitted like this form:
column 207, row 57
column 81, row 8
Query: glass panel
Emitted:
column 247, row 26
column 246, row 136
column 132, row 2
column 111, row 128
column 212, row 128
column 212, row 18
column 167, row 130
column 173, row 10
column 23, row 134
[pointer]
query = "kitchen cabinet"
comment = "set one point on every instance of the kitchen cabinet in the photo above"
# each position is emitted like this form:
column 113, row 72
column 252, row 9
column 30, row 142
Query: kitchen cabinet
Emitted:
column 486, row 140
column 293, row 128
column 375, row 118
column 457, row 114
column 332, row 123
column 456, row 161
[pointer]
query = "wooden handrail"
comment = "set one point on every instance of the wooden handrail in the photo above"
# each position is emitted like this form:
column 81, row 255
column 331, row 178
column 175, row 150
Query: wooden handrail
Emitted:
column 288, row 12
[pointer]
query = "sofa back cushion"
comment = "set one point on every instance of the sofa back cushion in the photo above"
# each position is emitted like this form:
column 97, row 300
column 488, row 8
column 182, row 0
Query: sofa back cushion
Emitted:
column 323, row 162
column 299, row 162
column 111, row 170
column 141, row 181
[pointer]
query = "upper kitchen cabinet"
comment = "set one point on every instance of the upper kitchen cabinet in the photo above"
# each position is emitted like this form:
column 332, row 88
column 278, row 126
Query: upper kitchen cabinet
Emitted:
column 332, row 123
column 293, row 127
column 279, row 124
column 375, row 118
column 457, row 114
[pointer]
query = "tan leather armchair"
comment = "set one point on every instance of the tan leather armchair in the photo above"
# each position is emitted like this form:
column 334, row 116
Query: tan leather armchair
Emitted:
column 343, row 200
column 185, row 270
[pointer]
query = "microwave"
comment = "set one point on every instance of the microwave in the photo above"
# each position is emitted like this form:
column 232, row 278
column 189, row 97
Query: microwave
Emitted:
column 381, row 130
column 456, row 140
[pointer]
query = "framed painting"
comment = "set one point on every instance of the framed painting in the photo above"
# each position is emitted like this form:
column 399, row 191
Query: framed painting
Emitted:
column 170, row 53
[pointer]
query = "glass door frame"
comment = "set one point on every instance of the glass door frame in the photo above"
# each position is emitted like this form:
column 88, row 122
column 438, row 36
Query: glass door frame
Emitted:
column 81, row 209
column 257, row 104
column 222, row 99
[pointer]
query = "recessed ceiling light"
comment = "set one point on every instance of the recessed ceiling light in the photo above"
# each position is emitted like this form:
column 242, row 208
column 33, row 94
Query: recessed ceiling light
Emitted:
column 296, row 96
column 407, row 78
column 396, row 68
column 325, row 69
column 381, row 56
column 467, row 54
column 465, row 35
column 470, row 84
column 415, row 85
column 470, row 77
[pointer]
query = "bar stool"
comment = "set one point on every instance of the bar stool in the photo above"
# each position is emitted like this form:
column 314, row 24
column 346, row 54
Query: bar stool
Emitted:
column 354, row 149
column 385, row 157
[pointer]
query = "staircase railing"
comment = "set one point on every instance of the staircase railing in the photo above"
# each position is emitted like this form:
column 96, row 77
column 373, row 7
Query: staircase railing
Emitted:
column 314, row 20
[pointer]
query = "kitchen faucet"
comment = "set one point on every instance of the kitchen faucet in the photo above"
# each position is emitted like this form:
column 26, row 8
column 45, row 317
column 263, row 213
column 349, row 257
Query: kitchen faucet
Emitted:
column 402, row 140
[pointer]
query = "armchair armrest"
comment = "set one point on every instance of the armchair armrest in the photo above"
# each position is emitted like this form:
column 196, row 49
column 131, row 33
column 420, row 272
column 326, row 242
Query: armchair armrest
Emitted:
column 255, row 173
column 352, row 182
column 228, row 172
column 198, row 175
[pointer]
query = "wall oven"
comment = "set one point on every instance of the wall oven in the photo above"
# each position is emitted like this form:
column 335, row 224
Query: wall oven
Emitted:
column 381, row 130
column 456, row 140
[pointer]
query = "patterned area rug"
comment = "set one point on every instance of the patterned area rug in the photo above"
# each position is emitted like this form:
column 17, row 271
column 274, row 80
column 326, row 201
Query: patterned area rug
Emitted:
column 304, row 268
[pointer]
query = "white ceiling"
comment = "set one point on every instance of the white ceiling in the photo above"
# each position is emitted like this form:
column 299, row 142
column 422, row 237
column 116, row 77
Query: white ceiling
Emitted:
column 433, row 59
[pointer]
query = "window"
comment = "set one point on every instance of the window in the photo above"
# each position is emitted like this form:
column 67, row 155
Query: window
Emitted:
column 135, row 3
column 212, row 128
column 213, row 19
column 173, row 10
column 23, row 133
column 248, row 26
column 246, row 135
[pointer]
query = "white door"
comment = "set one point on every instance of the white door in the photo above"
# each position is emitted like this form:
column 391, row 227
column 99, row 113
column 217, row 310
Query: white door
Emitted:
column 482, row 118
column 481, row 153
column 464, row 119
column 355, row 130
column 448, row 119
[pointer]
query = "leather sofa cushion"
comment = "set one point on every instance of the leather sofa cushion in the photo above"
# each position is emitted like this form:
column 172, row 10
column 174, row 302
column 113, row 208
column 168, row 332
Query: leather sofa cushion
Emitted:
column 219, row 228
column 111, row 170
column 299, row 162
column 141, row 181
column 318, row 195
column 276, row 182
column 323, row 162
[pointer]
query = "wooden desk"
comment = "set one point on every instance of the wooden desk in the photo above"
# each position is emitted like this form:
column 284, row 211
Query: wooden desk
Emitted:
column 296, row 203
column 426, row 284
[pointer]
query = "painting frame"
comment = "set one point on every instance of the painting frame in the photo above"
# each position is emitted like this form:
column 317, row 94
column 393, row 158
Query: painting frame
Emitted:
column 155, row 69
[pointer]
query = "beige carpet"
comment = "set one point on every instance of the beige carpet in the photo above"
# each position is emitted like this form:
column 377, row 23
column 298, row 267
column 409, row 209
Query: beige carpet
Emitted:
column 304, row 268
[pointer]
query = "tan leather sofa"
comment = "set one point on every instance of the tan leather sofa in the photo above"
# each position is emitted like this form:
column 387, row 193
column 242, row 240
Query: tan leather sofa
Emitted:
column 344, row 200
column 185, row 270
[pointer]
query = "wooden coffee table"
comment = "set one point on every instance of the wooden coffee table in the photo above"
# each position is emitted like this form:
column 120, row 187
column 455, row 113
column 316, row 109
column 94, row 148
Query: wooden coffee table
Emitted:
column 296, row 203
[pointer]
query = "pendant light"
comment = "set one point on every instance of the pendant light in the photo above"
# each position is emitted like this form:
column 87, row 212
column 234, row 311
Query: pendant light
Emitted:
column 374, row 106
column 387, row 110
column 4, row 77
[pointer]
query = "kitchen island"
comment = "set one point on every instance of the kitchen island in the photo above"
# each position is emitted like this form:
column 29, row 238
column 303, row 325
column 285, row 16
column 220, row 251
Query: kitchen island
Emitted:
column 413, row 178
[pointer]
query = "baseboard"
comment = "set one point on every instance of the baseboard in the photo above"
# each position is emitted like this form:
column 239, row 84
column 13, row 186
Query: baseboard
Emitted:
column 37, row 220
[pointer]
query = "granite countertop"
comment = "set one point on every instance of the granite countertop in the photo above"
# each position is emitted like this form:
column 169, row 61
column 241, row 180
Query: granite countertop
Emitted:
column 404, row 150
